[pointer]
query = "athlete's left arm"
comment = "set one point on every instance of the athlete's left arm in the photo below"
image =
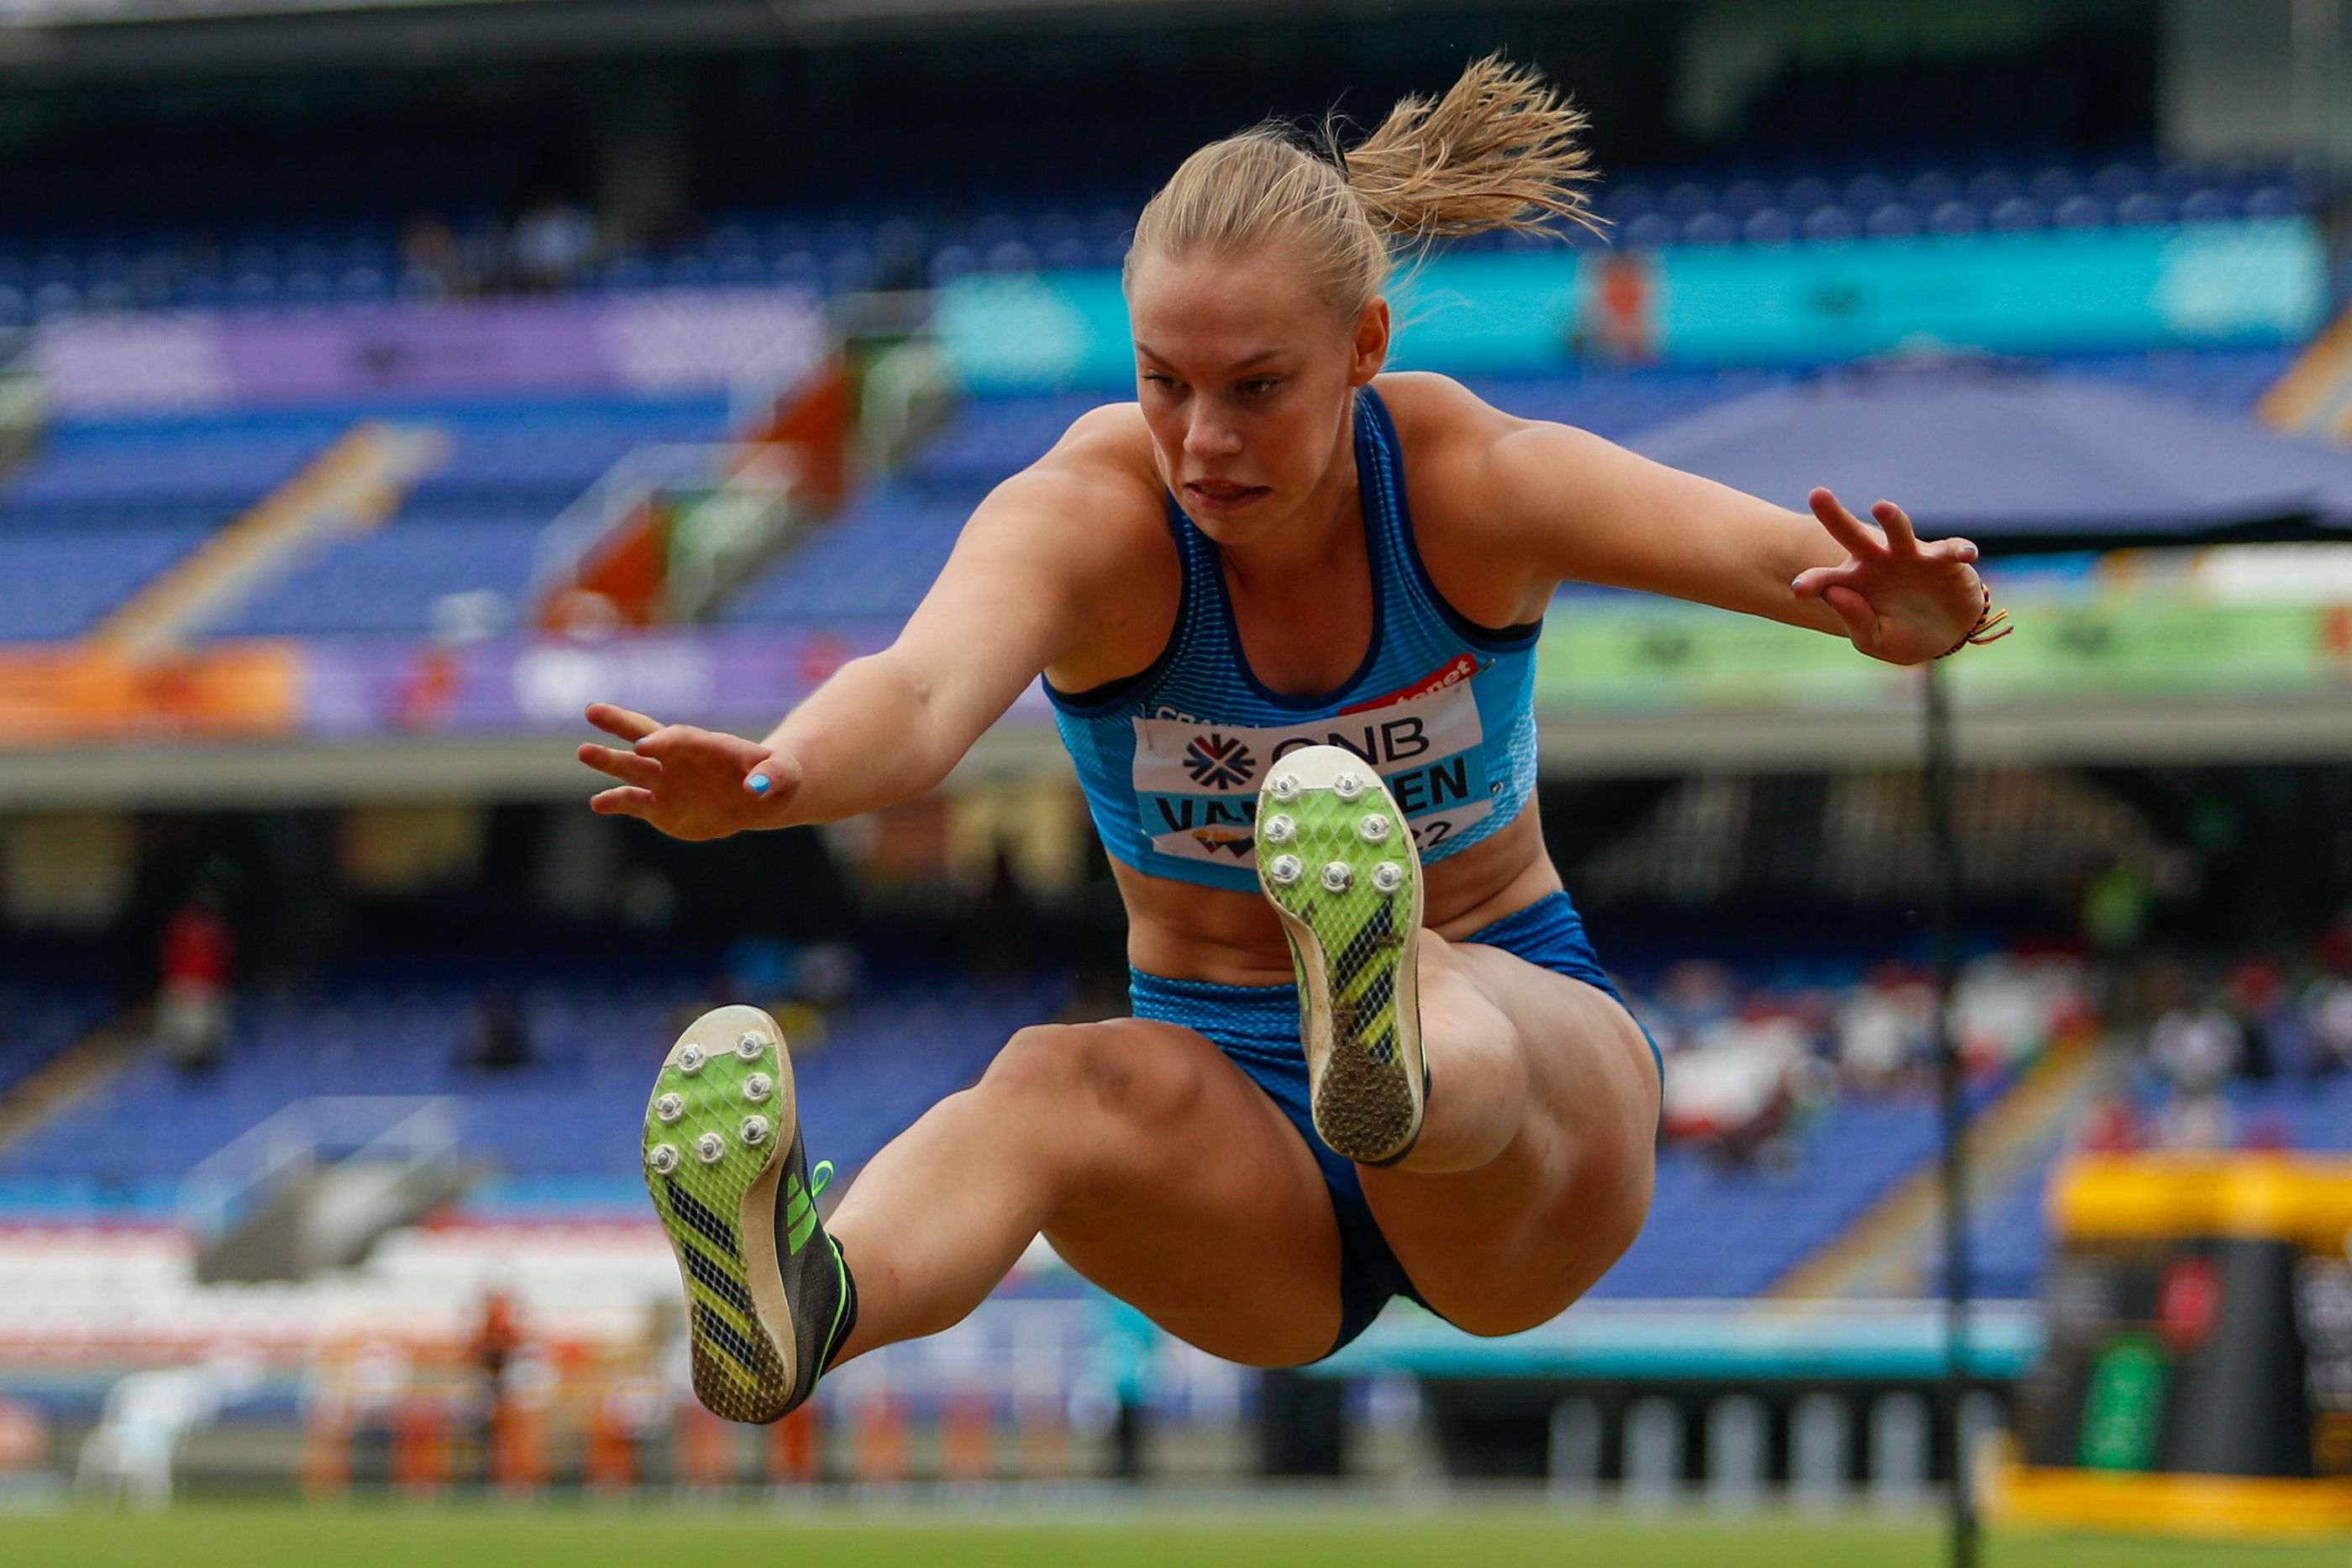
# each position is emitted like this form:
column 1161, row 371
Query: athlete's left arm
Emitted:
column 1574, row 506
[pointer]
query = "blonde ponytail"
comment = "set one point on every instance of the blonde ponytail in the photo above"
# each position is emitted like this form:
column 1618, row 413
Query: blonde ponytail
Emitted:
column 1499, row 150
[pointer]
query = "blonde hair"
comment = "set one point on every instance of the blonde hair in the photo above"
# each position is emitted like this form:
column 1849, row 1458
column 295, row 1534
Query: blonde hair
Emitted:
column 1499, row 151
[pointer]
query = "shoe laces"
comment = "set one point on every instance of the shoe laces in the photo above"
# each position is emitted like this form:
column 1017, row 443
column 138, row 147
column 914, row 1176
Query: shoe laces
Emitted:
column 819, row 1179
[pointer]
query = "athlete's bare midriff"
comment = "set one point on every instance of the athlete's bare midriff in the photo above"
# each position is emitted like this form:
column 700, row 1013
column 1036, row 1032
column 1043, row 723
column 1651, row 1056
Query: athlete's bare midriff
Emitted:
column 1189, row 932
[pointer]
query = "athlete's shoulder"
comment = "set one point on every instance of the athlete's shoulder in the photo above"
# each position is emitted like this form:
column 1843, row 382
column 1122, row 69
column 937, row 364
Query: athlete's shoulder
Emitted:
column 1109, row 439
column 1446, row 432
column 1440, row 420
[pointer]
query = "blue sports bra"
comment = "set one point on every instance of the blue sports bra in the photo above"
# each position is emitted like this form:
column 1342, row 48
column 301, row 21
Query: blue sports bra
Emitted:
column 1171, row 758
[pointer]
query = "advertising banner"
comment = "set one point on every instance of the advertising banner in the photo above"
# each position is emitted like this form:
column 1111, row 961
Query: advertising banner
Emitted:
column 1533, row 313
column 1653, row 655
column 675, row 340
column 1599, row 656
column 60, row 696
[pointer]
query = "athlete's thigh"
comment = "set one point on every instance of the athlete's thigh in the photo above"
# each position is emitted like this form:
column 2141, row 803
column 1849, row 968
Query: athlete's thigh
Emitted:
column 1512, row 1243
column 1211, row 1218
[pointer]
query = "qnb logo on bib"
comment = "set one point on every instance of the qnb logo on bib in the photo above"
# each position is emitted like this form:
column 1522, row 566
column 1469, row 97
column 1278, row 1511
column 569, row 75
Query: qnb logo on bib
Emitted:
column 1219, row 761
column 1196, row 785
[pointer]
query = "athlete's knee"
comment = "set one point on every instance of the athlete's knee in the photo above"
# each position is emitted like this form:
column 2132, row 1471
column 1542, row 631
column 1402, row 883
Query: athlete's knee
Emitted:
column 1491, row 1319
column 1095, row 1069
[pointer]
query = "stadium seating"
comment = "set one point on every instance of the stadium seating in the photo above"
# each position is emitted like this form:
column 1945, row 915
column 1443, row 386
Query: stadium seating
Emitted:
column 108, row 505
column 877, row 557
column 2010, row 1231
column 473, row 525
column 49, row 1002
column 561, row 1131
column 843, row 240
column 1734, row 1233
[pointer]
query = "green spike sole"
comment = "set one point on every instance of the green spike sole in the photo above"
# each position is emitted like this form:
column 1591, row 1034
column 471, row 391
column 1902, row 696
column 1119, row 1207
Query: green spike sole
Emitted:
column 719, row 1125
column 1336, row 857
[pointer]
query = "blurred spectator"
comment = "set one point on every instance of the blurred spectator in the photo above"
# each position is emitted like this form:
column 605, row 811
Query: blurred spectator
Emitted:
column 502, row 1039
column 147, row 1416
column 2115, row 912
column 496, row 1337
column 1691, row 994
column 1882, row 1030
column 758, row 970
column 553, row 243
column 2257, row 1000
column 1615, row 324
column 1732, row 1092
column 2327, row 1022
column 432, row 261
column 2195, row 1122
column 828, row 975
column 23, row 1438
column 2115, row 905
column 2197, row 1047
column 2112, row 1126
column 192, row 993
column 2007, row 1010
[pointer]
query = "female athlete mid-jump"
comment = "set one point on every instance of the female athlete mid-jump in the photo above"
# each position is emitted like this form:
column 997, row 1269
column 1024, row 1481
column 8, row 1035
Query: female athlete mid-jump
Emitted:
column 1286, row 607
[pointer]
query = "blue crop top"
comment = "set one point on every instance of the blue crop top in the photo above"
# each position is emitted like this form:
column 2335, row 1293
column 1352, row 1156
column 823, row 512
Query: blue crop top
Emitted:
column 1171, row 758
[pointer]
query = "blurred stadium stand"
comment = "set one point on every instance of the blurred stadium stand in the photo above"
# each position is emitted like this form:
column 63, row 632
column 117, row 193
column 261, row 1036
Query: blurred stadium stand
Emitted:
column 1801, row 1125
column 60, row 272
column 554, row 1131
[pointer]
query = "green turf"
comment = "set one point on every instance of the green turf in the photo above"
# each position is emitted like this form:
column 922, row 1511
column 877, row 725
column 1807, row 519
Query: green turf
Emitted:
column 220, row 1536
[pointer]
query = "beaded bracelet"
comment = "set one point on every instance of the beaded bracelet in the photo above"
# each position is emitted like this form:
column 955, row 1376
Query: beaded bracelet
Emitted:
column 1982, row 632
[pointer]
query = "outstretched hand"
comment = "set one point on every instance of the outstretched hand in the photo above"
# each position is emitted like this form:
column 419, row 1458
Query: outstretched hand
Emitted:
column 1901, row 600
column 690, row 783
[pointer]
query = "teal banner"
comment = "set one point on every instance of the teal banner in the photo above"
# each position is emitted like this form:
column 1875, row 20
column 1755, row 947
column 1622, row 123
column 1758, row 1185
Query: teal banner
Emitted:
column 1532, row 313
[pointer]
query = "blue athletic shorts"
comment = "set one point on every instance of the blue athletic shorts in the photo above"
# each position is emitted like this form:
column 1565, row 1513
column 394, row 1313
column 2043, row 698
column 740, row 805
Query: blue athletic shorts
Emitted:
column 1257, row 1027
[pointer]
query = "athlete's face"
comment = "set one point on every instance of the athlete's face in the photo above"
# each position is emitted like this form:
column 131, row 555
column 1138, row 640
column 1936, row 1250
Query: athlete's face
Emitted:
column 1244, row 371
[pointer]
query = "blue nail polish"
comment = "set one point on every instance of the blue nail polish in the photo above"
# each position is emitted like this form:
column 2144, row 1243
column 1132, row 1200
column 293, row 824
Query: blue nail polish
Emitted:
column 759, row 783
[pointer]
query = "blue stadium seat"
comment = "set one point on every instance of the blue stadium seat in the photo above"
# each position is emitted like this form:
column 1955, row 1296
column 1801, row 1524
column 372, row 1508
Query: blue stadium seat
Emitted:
column 1710, row 228
column 2209, row 205
column 2145, row 208
column 1955, row 219
column 1651, row 230
column 2019, row 214
column 1829, row 224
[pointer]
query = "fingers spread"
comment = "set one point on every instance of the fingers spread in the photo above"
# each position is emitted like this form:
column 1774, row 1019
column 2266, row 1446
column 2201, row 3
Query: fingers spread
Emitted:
column 1898, row 525
column 1810, row 582
column 1858, row 536
column 620, row 721
column 623, row 802
column 668, row 740
column 1961, row 550
column 626, row 766
column 1855, row 611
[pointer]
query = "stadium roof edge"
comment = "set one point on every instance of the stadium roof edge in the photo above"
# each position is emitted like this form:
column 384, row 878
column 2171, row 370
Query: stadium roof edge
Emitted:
column 170, row 38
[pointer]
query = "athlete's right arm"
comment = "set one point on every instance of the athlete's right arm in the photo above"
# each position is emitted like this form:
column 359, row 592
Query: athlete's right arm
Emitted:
column 1027, row 578
column 1019, row 592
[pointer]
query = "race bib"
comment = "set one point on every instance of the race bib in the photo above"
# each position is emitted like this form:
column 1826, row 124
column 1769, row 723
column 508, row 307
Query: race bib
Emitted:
column 1196, row 784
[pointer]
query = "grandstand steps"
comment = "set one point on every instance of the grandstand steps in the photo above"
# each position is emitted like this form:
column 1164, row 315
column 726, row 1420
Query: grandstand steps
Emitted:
column 351, row 487
column 24, row 413
column 2314, row 396
column 1880, row 1255
column 70, row 1077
